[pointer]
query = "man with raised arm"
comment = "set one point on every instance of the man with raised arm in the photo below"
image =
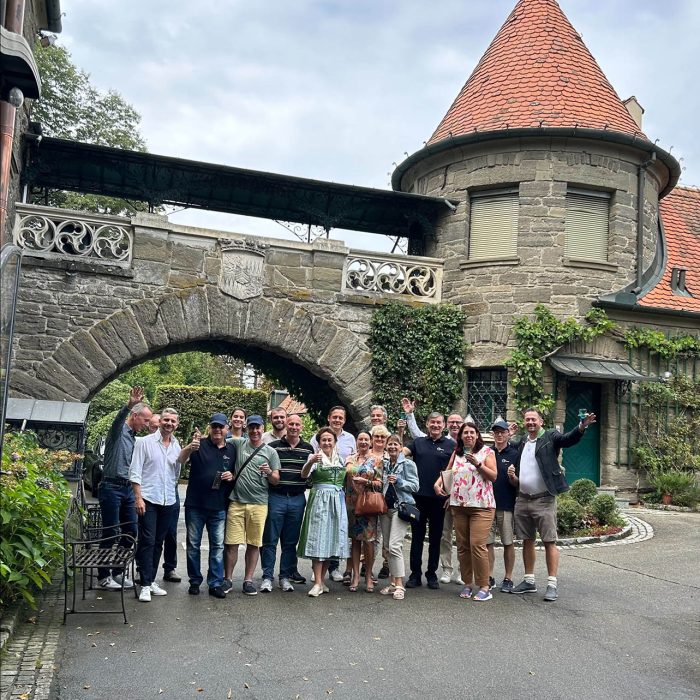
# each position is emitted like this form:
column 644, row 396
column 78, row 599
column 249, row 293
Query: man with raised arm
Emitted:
column 116, row 495
column 539, row 478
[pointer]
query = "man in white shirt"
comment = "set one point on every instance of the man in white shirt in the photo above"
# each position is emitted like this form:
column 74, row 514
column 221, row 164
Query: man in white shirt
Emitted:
column 539, row 478
column 153, row 474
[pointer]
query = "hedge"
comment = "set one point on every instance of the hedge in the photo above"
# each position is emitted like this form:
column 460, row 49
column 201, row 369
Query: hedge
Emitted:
column 196, row 404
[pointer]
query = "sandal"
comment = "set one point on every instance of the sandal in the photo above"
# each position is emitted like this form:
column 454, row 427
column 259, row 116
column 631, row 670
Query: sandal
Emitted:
column 388, row 590
column 466, row 592
column 369, row 589
column 399, row 593
column 354, row 586
column 347, row 578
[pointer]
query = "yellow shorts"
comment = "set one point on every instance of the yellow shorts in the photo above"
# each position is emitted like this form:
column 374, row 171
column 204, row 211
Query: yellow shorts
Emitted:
column 245, row 523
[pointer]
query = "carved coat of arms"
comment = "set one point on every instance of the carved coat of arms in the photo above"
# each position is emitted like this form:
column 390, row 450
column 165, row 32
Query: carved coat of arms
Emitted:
column 242, row 268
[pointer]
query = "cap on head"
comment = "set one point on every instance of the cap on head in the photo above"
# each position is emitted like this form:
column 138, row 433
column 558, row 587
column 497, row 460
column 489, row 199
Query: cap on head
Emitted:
column 219, row 419
column 255, row 420
column 500, row 425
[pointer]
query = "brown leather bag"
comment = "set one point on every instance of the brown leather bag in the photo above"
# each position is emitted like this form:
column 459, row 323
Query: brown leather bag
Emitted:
column 370, row 502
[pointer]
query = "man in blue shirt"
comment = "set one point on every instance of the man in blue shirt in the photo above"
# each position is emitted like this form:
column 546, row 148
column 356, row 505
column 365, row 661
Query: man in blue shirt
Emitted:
column 116, row 495
column 211, row 462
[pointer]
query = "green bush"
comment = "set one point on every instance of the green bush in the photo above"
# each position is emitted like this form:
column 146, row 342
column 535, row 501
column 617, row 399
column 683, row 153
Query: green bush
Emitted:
column 583, row 491
column 604, row 509
column 680, row 484
column 33, row 504
column 196, row 404
column 570, row 515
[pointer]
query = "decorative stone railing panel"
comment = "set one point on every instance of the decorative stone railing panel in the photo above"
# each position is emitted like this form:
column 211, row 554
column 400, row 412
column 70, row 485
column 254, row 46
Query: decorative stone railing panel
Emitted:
column 405, row 276
column 49, row 232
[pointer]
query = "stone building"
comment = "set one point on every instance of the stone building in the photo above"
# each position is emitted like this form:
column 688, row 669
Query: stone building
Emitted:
column 563, row 200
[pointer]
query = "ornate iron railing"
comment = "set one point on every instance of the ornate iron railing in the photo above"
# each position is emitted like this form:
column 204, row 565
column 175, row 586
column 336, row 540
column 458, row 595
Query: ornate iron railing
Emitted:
column 51, row 232
column 418, row 278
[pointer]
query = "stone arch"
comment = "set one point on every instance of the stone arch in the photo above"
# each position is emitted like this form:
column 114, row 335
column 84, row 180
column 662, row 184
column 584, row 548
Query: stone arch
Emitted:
column 305, row 334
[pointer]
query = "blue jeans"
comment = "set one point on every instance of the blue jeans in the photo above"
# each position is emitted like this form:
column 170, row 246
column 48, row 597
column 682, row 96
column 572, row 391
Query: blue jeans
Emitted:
column 117, row 504
column 215, row 521
column 170, row 543
column 153, row 526
column 284, row 517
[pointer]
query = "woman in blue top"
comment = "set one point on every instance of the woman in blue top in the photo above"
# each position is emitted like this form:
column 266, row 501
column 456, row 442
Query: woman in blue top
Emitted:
column 400, row 482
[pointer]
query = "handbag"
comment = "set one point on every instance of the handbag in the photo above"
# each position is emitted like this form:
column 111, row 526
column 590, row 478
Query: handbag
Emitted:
column 370, row 502
column 408, row 512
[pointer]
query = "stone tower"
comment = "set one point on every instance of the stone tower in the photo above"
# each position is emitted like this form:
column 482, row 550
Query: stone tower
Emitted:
column 545, row 165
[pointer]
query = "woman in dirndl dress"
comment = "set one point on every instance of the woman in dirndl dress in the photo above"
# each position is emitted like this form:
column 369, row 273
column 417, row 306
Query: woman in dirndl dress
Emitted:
column 324, row 532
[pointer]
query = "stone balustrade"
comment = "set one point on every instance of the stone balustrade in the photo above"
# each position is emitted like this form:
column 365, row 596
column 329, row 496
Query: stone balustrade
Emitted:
column 58, row 233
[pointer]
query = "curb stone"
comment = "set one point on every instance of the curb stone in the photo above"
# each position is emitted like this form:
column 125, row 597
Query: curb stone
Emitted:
column 8, row 623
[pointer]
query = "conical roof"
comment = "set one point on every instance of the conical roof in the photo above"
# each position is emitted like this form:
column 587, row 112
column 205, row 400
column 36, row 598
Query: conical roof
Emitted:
column 537, row 72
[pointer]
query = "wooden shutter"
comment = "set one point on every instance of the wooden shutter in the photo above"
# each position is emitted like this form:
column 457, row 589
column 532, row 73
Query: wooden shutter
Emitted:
column 493, row 229
column 586, row 227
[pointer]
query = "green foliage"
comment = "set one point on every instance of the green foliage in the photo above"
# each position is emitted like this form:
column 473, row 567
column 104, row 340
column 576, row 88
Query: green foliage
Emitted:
column 583, row 491
column 538, row 337
column 679, row 484
column 196, row 404
column 72, row 108
column 33, row 503
column 100, row 426
column 570, row 514
column 657, row 342
column 604, row 509
column 417, row 351
column 309, row 427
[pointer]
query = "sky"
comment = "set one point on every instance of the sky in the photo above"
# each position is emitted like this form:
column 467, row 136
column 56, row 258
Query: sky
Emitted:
column 343, row 90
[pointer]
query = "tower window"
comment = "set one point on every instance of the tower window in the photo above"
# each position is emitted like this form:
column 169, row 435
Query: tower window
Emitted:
column 587, row 225
column 493, row 225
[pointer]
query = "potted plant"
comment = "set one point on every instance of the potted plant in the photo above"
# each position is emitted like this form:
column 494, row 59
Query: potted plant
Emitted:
column 672, row 483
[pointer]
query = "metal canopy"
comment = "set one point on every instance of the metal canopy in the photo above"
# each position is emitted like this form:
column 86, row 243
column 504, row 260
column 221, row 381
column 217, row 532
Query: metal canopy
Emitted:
column 58, row 413
column 590, row 368
column 81, row 167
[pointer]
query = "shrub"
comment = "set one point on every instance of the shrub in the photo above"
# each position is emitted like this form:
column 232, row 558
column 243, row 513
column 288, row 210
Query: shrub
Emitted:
column 570, row 514
column 583, row 491
column 32, row 507
column 604, row 509
column 680, row 484
column 196, row 404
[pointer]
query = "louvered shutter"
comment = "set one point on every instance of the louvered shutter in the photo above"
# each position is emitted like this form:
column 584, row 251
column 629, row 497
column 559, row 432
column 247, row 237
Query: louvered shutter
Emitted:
column 586, row 227
column 493, row 231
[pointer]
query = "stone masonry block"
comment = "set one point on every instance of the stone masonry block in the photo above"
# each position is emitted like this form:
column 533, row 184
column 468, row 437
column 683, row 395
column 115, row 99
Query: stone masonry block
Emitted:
column 59, row 377
column 150, row 323
column 258, row 326
column 187, row 258
column 23, row 383
column 280, row 322
column 148, row 272
column 297, row 330
column 321, row 333
column 111, row 344
column 196, row 313
column 148, row 246
column 172, row 316
column 93, row 353
column 339, row 351
column 68, row 356
column 129, row 332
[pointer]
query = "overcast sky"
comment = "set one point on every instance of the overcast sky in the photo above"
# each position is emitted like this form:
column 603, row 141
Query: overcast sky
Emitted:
column 340, row 90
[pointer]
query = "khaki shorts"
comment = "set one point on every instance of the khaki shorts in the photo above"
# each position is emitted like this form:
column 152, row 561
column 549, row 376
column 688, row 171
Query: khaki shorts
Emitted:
column 245, row 523
column 533, row 516
column 503, row 525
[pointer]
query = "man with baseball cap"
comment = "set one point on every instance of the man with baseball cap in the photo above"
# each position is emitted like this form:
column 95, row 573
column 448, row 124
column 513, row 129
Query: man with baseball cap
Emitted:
column 504, row 492
column 257, row 465
column 211, row 461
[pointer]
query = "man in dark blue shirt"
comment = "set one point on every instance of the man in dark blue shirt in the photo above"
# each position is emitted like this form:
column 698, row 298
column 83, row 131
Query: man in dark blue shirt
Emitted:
column 431, row 455
column 211, row 475
column 505, row 492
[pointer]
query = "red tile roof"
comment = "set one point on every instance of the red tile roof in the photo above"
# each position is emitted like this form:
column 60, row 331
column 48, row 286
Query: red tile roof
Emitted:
column 536, row 72
column 291, row 405
column 680, row 214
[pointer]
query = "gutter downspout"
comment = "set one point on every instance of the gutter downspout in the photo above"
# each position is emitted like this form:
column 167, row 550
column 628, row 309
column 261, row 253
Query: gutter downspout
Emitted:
column 641, row 178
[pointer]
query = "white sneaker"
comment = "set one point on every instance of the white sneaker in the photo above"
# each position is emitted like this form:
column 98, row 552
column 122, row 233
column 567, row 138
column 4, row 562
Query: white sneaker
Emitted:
column 266, row 586
column 315, row 591
column 325, row 589
column 145, row 595
column 109, row 584
column 336, row 576
column 128, row 583
column 459, row 581
column 157, row 590
column 445, row 578
column 285, row 585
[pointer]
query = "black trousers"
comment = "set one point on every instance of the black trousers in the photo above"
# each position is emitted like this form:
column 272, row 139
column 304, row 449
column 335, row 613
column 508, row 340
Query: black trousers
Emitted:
column 153, row 526
column 432, row 516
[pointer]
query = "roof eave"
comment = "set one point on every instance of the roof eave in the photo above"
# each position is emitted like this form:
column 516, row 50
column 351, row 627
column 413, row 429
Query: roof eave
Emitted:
column 638, row 308
column 475, row 137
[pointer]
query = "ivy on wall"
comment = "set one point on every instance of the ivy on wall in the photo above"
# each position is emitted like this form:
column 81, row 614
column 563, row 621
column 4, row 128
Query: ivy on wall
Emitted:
column 417, row 351
column 657, row 342
column 538, row 337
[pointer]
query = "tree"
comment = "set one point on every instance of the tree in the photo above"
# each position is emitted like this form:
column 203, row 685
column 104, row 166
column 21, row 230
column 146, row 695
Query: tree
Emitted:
column 72, row 108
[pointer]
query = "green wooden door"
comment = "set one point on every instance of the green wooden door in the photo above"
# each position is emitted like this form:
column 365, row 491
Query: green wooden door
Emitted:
column 582, row 461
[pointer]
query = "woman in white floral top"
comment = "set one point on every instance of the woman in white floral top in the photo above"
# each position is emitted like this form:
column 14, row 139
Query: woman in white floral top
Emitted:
column 473, row 505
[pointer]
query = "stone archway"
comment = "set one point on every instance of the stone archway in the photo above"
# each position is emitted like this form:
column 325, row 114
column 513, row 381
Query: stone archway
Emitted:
column 89, row 358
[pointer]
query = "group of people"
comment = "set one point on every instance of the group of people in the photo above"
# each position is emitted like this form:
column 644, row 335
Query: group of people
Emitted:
column 249, row 487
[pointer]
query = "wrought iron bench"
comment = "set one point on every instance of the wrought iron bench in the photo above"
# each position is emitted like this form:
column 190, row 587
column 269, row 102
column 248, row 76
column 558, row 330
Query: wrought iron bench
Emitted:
column 85, row 552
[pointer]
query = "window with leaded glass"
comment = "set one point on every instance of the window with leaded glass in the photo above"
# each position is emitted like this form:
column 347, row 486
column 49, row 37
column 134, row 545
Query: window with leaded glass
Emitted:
column 487, row 394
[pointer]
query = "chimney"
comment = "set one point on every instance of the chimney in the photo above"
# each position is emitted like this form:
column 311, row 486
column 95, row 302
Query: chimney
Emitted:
column 635, row 109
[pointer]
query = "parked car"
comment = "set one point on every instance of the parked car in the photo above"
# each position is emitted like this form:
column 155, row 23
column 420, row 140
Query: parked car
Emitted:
column 93, row 464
